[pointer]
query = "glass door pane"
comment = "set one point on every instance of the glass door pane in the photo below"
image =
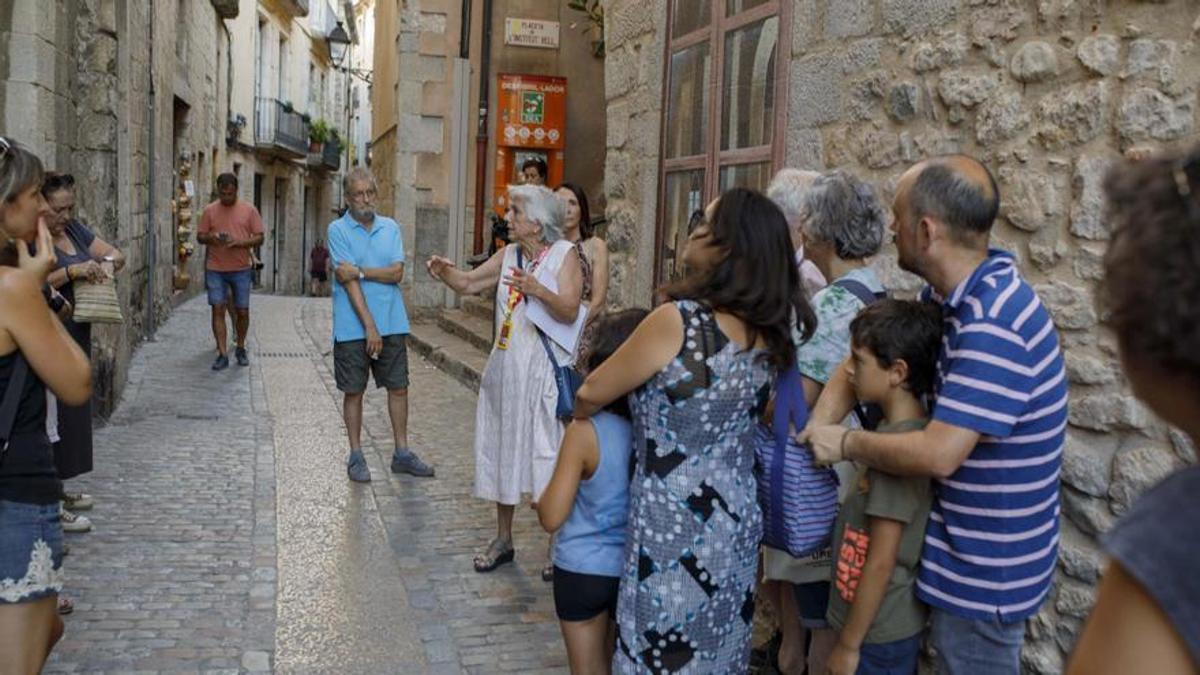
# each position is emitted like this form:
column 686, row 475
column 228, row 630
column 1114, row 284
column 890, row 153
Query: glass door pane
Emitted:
column 683, row 195
column 687, row 101
column 748, row 87
column 690, row 15
column 755, row 176
column 738, row 6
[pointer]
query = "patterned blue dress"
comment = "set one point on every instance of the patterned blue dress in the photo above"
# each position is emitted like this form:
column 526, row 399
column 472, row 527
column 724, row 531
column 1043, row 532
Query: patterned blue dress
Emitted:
column 686, row 602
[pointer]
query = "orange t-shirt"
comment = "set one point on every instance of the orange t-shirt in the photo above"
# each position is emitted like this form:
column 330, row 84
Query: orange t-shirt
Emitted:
column 242, row 222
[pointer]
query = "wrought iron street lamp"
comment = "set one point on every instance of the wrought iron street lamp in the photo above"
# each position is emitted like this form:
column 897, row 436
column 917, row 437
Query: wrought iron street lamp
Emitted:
column 339, row 44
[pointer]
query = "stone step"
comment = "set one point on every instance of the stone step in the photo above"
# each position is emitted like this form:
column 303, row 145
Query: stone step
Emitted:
column 480, row 306
column 467, row 326
column 452, row 354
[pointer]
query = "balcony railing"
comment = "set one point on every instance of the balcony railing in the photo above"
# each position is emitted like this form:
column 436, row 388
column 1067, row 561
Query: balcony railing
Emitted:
column 296, row 7
column 280, row 131
column 329, row 158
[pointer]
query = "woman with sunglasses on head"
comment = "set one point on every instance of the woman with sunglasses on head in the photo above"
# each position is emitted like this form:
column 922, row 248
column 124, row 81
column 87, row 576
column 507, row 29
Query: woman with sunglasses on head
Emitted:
column 700, row 370
column 82, row 257
column 36, row 352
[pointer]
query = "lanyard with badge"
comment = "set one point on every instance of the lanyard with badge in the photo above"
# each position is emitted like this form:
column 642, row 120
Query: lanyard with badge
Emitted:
column 515, row 297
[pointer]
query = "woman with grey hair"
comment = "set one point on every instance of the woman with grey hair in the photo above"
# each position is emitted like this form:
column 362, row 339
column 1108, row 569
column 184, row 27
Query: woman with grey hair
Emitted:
column 516, row 430
column 841, row 225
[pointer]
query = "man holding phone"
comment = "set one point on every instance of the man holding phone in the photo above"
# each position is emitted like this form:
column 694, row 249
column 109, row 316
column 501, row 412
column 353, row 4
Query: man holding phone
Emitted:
column 229, row 229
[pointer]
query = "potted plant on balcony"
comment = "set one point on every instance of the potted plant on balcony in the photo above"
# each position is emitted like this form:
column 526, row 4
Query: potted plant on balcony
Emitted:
column 336, row 137
column 318, row 135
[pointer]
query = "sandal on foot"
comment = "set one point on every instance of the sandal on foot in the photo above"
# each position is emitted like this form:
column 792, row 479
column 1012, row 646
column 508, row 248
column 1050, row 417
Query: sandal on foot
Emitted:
column 548, row 573
column 65, row 605
column 496, row 555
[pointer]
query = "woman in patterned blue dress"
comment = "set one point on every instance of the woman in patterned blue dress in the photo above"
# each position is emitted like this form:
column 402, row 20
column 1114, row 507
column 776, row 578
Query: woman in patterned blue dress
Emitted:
column 700, row 370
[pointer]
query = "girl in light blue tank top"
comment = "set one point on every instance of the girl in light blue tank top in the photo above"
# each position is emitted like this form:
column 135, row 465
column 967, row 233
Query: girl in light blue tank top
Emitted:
column 587, row 504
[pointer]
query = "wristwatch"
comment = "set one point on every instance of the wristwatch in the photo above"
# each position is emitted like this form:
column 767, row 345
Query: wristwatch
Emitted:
column 361, row 275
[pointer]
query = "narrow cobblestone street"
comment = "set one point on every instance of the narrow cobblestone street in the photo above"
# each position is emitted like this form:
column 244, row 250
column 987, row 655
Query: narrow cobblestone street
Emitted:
column 227, row 538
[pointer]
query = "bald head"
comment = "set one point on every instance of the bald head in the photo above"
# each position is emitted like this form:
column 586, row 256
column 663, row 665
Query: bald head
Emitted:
column 957, row 190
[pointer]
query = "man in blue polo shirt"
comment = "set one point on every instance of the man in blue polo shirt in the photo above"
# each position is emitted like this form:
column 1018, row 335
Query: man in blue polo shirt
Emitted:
column 369, row 321
column 999, row 419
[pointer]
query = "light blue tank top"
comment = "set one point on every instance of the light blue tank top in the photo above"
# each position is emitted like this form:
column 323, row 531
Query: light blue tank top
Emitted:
column 592, row 541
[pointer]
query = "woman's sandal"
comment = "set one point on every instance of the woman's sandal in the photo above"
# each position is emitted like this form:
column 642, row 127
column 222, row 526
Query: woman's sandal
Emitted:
column 65, row 605
column 494, row 557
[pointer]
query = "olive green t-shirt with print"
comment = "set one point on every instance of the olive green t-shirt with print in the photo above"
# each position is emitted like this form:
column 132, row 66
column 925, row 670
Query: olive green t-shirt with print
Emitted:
column 876, row 494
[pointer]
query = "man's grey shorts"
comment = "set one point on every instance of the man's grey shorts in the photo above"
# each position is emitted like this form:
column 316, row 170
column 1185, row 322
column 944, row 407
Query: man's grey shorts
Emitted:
column 350, row 364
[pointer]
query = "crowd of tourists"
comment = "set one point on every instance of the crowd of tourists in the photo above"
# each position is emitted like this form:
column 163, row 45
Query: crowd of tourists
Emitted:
column 882, row 471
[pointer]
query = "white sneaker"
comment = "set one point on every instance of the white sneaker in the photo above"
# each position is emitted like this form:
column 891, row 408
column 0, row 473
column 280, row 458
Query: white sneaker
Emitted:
column 74, row 523
column 77, row 501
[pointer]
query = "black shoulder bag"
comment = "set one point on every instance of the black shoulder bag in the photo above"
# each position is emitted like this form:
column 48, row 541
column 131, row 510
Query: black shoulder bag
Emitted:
column 12, row 401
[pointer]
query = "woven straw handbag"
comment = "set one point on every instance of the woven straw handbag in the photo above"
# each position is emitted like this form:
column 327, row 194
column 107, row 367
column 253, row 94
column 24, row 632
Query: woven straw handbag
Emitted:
column 96, row 303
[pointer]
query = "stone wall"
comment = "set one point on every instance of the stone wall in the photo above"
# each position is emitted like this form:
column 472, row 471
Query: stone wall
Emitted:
column 633, row 82
column 74, row 86
column 1048, row 93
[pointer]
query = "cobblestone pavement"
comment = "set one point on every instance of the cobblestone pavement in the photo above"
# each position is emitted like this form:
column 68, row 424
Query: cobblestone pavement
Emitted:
column 467, row 622
column 227, row 538
column 179, row 571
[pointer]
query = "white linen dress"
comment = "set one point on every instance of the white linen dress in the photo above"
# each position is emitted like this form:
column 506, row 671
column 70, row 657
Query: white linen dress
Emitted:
column 516, row 431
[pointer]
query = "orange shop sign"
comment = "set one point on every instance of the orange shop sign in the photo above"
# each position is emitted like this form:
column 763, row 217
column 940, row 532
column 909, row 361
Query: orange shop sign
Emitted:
column 531, row 33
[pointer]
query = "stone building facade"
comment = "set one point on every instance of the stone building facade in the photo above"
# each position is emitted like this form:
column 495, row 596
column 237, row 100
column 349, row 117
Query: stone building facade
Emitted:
column 76, row 83
column 145, row 102
column 1048, row 93
column 425, row 102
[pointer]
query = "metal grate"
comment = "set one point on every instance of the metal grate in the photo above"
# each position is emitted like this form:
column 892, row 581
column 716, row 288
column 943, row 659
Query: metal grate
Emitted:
column 283, row 355
column 198, row 418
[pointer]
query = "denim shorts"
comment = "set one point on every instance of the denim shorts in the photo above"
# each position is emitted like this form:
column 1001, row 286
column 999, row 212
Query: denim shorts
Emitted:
column 976, row 646
column 890, row 658
column 813, row 601
column 31, row 545
column 220, row 285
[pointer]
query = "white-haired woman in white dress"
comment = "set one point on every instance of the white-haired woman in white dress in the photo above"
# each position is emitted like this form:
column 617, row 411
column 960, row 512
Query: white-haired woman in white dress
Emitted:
column 516, row 430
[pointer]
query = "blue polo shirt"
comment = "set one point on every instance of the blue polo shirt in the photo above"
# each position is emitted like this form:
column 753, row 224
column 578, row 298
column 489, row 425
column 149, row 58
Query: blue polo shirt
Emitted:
column 381, row 246
column 992, row 539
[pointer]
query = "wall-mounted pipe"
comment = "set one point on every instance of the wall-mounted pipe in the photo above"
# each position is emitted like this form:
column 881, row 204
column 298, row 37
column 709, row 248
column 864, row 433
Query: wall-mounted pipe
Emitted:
column 151, row 231
column 481, row 132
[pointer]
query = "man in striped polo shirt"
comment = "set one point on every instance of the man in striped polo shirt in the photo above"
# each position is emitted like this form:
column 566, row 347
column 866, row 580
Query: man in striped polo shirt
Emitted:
column 994, row 445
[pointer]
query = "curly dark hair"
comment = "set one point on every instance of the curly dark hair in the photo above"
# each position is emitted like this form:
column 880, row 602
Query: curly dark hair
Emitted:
column 758, row 281
column 1152, row 266
column 902, row 329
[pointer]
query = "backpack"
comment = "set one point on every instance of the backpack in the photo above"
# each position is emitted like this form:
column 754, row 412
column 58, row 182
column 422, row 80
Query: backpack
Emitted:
column 869, row 414
column 799, row 500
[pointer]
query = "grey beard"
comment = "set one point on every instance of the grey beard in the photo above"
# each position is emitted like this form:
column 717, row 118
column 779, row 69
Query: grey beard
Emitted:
column 364, row 215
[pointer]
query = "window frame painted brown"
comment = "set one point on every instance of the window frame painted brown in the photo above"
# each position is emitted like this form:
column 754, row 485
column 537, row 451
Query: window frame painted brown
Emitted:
column 713, row 159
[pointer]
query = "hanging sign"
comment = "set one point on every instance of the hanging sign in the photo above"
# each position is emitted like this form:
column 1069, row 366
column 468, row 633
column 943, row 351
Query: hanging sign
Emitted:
column 531, row 33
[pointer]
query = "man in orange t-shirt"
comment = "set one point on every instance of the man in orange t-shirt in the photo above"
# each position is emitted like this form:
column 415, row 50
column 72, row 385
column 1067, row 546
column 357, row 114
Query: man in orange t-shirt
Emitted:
column 229, row 228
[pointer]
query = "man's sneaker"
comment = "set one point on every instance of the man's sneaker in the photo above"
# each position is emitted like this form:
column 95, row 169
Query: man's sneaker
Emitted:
column 221, row 363
column 356, row 467
column 77, row 501
column 240, row 354
column 406, row 461
column 74, row 523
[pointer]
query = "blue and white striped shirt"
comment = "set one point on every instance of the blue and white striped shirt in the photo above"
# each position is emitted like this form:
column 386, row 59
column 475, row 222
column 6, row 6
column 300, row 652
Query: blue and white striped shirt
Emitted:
column 992, row 540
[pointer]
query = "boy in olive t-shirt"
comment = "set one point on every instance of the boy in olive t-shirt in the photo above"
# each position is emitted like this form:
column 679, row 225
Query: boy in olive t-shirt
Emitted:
column 879, row 532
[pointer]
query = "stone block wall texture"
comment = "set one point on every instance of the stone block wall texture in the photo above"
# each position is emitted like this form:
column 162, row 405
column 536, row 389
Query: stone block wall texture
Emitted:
column 74, row 85
column 1048, row 93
